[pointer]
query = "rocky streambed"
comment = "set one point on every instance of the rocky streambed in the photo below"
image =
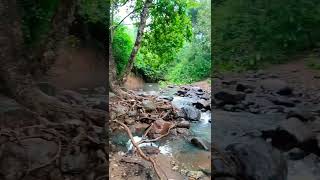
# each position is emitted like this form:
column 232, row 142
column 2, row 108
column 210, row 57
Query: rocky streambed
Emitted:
column 185, row 150
column 268, row 123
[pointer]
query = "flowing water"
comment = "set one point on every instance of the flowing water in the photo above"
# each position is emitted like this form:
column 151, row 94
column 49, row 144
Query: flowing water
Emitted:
column 187, row 155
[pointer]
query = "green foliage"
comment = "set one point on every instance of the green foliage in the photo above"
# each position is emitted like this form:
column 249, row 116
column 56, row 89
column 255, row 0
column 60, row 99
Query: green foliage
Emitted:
column 36, row 18
column 122, row 46
column 169, row 28
column 248, row 34
column 194, row 60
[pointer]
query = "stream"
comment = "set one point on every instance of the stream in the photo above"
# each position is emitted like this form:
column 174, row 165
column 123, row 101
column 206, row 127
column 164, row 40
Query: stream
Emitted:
column 188, row 156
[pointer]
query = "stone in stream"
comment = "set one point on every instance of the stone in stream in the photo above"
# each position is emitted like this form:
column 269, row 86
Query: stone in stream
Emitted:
column 184, row 124
column 191, row 113
column 258, row 160
column 296, row 128
column 198, row 142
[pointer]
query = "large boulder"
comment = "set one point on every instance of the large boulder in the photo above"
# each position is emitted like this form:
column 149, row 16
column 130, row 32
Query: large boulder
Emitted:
column 259, row 160
column 191, row 113
column 296, row 128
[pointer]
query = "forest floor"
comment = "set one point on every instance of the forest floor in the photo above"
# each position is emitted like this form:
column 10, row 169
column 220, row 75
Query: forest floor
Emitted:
column 274, row 116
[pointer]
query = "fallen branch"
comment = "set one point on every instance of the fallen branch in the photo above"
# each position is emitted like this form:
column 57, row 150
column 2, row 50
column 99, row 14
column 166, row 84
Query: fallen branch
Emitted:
column 154, row 164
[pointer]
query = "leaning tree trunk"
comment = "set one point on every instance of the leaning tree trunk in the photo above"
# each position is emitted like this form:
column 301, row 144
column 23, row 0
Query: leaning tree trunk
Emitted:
column 16, row 77
column 137, row 44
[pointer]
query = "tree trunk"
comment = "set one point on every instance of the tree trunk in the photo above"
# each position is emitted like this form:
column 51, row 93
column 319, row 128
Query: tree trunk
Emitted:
column 16, row 77
column 45, row 53
column 136, row 47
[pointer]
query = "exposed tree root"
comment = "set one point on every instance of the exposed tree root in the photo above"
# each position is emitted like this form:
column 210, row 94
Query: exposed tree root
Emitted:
column 140, row 152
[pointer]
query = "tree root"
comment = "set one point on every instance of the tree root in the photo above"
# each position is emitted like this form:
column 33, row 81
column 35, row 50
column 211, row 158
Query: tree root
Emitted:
column 140, row 152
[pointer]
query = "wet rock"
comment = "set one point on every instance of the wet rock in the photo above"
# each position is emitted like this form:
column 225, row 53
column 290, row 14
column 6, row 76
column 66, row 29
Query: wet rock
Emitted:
column 276, row 85
column 229, row 97
column 259, row 160
column 297, row 129
column 148, row 105
column 74, row 163
column 296, row 154
column 184, row 124
column 202, row 104
column 150, row 150
column 183, row 131
column 198, row 142
column 169, row 98
column 191, row 113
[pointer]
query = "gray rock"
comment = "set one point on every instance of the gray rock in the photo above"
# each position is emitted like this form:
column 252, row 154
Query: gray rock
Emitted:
column 259, row 160
column 295, row 127
column 198, row 142
column 184, row 124
column 191, row 113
